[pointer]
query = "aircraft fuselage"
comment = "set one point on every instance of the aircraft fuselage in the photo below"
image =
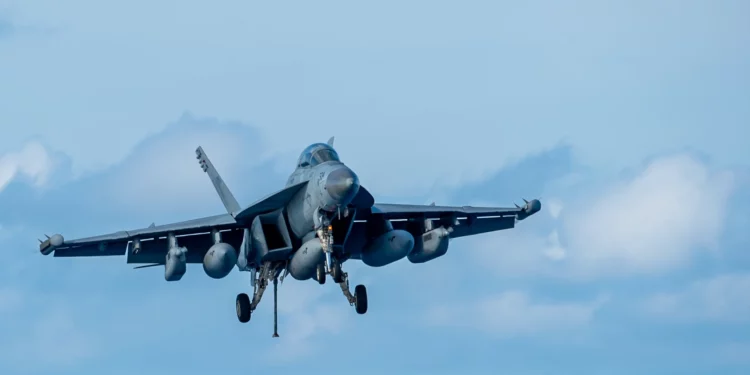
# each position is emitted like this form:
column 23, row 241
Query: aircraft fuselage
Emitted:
column 331, row 187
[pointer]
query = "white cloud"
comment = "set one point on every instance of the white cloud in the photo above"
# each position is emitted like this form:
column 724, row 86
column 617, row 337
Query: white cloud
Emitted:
column 162, row 172
column 554, row 207
column 513, row 314
column 653, row 222
column 723, row 298
column 555, row 251
column 518, row 252
column 32, row 162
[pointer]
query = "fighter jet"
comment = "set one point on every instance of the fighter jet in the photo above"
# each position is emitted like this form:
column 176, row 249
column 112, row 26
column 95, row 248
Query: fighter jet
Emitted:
column 322, row 218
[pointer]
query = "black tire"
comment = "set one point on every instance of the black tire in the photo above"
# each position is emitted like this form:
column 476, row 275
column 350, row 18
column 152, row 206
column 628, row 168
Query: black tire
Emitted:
column 360, row 299
column 243, row 308
column 336, row 273
column 320, row 274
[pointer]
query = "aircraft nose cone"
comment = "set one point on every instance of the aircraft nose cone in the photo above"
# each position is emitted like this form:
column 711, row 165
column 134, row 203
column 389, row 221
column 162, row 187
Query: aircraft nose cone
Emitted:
column 342, row 185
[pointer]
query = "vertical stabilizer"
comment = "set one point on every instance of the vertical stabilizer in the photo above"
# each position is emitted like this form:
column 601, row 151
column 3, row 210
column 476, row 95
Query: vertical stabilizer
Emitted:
column 230, row 203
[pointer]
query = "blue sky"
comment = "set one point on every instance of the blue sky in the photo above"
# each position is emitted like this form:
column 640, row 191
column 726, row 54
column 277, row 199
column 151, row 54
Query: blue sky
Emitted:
column 629, row 119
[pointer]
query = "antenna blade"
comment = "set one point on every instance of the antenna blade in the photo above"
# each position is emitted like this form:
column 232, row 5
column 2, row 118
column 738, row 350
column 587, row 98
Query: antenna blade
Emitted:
column 147, row 265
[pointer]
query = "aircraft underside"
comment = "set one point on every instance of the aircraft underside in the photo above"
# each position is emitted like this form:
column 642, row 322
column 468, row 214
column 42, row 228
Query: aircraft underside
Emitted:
column 322, row 252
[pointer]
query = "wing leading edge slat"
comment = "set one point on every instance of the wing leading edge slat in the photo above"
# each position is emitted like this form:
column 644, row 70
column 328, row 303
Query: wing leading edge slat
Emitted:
column 115, row 243
column 408, row 211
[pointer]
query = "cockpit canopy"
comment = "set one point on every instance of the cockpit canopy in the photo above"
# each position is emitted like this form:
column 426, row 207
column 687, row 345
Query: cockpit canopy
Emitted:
column 316, row 154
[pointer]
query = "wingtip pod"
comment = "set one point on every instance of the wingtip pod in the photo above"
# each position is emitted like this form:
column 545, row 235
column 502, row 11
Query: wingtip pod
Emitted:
column 49, row 245
column 530, row 208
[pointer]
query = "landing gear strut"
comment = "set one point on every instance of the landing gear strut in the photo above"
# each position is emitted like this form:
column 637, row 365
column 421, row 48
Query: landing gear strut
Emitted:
column 336, row 273
column 325, row 234
column 358, row 299
column 270, row 271
column 245, row 307
column 332, row 267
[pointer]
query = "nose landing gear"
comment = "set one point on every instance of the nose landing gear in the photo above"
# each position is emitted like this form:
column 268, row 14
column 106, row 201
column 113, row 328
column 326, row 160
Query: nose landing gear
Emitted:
column 332, row 266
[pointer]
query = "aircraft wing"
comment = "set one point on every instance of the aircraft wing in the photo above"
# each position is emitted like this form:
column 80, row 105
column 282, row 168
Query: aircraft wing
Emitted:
column 152, row 240
column 465, row 220
column 152, row 243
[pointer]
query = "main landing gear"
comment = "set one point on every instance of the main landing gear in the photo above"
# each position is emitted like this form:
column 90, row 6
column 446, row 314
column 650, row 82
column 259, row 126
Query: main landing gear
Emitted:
column 333, row 267
column 245, row 307
column 270, row 272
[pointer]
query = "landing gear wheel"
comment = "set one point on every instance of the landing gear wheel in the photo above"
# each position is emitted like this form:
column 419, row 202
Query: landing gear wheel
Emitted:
column 320, row 274
column 243, row 308
column 360, row 299
column 336, row 273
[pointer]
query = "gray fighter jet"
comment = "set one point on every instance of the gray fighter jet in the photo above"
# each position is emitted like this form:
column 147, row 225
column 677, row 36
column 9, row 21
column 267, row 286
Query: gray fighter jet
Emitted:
column 321, row 219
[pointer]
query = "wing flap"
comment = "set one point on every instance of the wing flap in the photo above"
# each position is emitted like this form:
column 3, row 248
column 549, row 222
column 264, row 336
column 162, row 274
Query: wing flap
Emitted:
column 482, row 225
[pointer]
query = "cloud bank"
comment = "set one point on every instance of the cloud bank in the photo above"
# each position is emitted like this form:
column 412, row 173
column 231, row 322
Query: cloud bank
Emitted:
column 722, row 298
column 654, row 221
column 658, row 220
column 513, row 313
